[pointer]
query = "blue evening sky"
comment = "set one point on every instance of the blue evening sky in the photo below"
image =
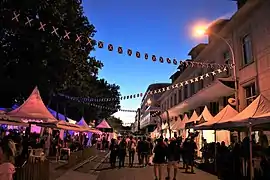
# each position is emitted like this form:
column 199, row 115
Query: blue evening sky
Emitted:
column 160, row 27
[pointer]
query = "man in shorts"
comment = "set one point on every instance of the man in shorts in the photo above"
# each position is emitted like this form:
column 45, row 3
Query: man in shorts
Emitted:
column 173, row 158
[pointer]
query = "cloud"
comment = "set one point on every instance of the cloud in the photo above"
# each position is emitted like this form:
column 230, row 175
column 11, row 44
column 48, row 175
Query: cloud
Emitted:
column 126, row 117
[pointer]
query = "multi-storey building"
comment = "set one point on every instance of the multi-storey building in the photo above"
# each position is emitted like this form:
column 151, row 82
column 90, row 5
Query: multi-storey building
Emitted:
column 248, row 33
column 149, row 105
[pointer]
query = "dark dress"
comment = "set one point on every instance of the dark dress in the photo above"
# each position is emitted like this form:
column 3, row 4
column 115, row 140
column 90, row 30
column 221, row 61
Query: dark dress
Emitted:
column 160, row 154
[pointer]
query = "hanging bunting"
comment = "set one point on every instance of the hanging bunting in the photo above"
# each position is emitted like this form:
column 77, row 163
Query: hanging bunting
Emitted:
column 65, row 34
column 155, row 91
column 113, row 109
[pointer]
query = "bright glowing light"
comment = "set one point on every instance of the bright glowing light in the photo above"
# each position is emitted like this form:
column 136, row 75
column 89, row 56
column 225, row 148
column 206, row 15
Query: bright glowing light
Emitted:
column 199, row 30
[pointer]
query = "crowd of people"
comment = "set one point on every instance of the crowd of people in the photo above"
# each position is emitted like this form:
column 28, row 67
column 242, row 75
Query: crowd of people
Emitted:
column 16, row 145
column 159, row 152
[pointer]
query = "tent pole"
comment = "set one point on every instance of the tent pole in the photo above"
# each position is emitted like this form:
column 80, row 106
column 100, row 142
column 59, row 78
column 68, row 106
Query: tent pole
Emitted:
column 250, row 152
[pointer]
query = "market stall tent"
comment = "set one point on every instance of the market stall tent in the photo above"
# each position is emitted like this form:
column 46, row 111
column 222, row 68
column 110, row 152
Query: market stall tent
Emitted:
column 176, row 124
column 222, row 135
column 32, row 110
column 226, row 113
column 249, row 116
column 193, row 118
column 103, row 125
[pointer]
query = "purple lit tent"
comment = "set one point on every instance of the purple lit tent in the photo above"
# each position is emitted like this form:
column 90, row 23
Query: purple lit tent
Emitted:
column 83, row 124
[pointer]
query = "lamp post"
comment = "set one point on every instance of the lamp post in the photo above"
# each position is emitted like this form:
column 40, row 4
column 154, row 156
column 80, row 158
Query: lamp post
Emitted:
column 203, row 31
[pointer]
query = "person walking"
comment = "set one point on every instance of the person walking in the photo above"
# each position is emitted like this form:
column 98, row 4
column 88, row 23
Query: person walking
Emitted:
column 145, row 152
column 139, row 150
column 131, row 150
column 159, row 151
column 173, row 155
column 190, row 154
column 114, row 151
column 122, row 152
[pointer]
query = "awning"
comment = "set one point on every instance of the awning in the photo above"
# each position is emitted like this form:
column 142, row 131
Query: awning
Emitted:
column 219, row 88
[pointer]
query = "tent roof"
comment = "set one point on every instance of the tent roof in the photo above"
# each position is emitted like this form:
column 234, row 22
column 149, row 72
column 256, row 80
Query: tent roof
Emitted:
column 181, row 124
column 226, row 113
column 103, row 125
column 176, row 124
column 193, row 118
column 205, row 116
column 54, row 113
column 32, row 109
column 259, row 107
column 82, row 123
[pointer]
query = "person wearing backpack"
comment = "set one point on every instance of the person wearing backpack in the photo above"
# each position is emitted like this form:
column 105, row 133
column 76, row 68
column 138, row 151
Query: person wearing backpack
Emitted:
column 131, row 150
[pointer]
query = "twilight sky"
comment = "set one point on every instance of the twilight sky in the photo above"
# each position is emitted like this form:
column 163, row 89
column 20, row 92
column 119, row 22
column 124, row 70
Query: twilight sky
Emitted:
column 157, row 27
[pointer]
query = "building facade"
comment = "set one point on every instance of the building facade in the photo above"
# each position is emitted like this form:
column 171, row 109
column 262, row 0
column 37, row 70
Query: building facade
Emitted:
column 248, row 33
column 149, row 105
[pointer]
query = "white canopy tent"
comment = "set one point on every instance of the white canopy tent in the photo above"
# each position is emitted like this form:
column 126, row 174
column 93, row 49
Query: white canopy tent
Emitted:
column 222, row 135
column 254, row 114
column 226, row 113
column 193, row 118
column 176, row 124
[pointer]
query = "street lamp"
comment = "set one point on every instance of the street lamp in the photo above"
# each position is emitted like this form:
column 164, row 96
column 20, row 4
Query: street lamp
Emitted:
column 203, row 30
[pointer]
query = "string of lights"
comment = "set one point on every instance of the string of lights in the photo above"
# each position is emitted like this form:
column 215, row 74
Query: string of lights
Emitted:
column 155, row 91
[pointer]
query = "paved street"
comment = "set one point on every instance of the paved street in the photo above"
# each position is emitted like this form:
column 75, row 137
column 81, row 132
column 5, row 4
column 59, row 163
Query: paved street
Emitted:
column 103, row 172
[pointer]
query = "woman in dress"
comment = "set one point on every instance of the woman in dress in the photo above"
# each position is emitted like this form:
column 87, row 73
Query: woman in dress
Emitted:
column 160, row 151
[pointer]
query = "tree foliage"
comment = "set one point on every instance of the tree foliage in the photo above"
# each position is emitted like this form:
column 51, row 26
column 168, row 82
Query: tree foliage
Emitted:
column 31, row 57
column 115, row 123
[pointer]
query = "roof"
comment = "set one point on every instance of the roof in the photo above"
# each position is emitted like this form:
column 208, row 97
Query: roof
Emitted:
column 226, row 113
column 198, row 48
column 103, row 125
column 176, row 74
column 32, row 109
column 259, row 107
column 205, row 116
column 193, row 118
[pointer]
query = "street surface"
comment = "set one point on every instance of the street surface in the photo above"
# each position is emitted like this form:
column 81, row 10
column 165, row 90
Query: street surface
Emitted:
column 104, row 172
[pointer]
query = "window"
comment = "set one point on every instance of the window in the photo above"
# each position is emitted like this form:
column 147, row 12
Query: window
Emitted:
column 175, row 99
column 250, row 91
column 192, row 89
column 247, row 50
column 227, row 60
column 179, row 96
column 185, row 92
column 226, row 56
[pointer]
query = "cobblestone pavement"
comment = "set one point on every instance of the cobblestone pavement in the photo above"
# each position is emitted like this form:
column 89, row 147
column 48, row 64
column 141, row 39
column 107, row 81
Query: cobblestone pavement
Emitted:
column 146, row 173
column 104, row 172
column 57, row 170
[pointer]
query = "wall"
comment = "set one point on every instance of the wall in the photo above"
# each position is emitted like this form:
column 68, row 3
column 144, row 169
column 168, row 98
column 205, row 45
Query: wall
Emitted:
column 252, row 19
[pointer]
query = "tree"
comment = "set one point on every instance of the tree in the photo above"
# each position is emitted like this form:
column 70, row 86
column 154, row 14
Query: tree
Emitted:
column 32, row 57
column 115, row 123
